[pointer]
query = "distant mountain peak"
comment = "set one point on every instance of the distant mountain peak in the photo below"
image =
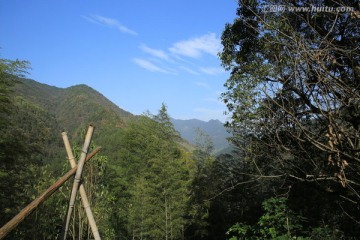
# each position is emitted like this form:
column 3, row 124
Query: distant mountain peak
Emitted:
column 215, row 120
column 214, row 128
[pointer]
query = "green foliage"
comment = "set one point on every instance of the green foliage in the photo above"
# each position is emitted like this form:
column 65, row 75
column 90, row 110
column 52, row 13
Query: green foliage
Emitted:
column 326, row 232
column 9, row 72
column 282, row 84
column 293, row 95
column 241, row 231
column 26, row 144
column 201, row 186
column 278, row 220
column 46, row 221
column 281, row 223
column 14, row 149
column 153, row 186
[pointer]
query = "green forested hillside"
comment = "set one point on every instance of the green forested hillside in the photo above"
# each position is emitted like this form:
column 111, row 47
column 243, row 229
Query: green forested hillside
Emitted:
column 74, row 108
column 74, row 105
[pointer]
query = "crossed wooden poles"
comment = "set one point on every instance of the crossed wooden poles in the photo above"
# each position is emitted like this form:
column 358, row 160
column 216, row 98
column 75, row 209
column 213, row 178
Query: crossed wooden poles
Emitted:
column 77, row 170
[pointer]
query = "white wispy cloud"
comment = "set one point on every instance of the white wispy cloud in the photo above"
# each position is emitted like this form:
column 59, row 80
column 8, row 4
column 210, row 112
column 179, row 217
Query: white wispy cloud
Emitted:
column 189, row 70
column 110, row 22
column 195, row 47
column 149, row 65
column 155, row 52
column 202, row 84
column 180, row 56
column 212, row 70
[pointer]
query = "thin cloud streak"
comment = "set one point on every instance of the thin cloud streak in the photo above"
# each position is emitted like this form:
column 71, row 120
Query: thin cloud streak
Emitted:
column 111, row 23
column 195, row 47
column 149, row 65
column 202, row 84
column 212, row 70
column 155, row 52
column 189, row 70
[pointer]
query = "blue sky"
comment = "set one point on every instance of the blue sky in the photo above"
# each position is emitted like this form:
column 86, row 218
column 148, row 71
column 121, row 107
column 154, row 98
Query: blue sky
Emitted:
column 137, row 53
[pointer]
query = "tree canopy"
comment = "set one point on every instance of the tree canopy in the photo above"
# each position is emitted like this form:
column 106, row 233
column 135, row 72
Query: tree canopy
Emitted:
column 295, row 86
column 294, row 98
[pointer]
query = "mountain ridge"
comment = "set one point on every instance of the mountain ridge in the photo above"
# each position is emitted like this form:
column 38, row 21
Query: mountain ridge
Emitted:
column 76, row 106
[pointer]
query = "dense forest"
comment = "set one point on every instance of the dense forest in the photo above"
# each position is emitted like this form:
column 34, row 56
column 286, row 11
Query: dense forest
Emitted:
column 293, row 173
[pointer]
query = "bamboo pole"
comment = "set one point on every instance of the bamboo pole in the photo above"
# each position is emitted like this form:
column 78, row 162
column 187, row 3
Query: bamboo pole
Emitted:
column 6, row 229
column 82, row 191
column 77, row 180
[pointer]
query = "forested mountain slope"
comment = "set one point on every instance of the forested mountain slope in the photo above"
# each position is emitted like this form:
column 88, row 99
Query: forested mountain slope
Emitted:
column 72, row 109
column 73, row 106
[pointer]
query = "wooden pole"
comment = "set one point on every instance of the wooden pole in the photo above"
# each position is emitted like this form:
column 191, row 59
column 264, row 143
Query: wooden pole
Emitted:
column 77, row 180
column 84, row 198
column 6, row 229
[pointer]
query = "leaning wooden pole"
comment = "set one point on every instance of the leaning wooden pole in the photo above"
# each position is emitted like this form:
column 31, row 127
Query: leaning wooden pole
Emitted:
column 9, row 226
column 77, row 180
column 84, row 198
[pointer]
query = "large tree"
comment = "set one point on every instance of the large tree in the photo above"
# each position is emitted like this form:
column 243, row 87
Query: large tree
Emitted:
column 294, row 91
